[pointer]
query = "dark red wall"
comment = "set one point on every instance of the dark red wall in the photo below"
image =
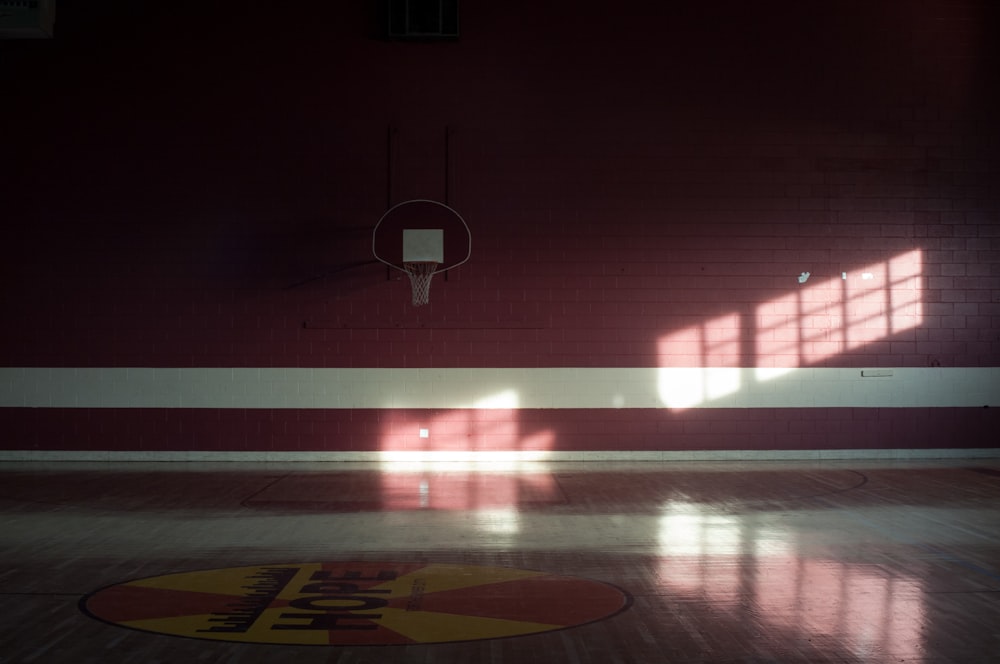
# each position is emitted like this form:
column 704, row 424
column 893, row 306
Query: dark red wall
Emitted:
column 185, row 185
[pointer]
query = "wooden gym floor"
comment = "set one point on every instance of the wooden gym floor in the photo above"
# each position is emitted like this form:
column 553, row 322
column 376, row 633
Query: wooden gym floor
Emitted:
column 590, row 563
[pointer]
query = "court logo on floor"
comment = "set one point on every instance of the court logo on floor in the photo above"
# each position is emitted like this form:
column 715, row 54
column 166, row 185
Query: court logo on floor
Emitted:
column 355, row 603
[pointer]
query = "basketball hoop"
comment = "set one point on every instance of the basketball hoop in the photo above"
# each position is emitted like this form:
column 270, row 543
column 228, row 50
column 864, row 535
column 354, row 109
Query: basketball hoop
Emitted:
column 421, row 237
column 420, row 279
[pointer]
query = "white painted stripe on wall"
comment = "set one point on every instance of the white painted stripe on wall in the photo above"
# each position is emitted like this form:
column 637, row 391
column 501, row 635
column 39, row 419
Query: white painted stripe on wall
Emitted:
column 676, row 388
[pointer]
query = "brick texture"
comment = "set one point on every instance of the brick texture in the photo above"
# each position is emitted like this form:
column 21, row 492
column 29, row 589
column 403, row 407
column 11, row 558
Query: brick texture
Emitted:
column 645, row 187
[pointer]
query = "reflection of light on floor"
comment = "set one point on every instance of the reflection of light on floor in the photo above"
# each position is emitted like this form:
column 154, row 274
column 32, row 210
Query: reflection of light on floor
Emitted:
column 686, row 529
column 855, row 603
column 499, row 521
column 494, row 490
column 686, row 532
column 759, row 572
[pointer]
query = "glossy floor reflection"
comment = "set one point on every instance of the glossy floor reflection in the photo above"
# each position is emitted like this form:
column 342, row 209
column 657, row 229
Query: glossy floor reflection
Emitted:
column 756, row 562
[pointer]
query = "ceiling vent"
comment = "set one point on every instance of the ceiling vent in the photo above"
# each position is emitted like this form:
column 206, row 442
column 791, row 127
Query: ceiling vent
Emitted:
column 433, row 20
column 27, row 19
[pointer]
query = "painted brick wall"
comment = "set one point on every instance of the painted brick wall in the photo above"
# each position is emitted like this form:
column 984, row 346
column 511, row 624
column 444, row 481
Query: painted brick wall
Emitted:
column 644, row 188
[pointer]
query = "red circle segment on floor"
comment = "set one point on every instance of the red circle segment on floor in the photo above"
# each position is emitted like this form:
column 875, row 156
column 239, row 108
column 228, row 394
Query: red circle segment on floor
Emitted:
column 355, row 603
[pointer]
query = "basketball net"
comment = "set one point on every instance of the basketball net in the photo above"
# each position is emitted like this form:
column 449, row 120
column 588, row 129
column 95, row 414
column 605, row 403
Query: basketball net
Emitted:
column 420, row 279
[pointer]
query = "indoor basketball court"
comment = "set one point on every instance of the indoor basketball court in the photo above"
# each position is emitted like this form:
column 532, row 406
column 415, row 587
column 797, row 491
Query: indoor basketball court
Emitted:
column 399, row 331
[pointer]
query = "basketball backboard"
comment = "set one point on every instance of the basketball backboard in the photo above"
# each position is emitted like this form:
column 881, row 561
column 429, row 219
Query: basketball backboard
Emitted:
column 421, row 237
